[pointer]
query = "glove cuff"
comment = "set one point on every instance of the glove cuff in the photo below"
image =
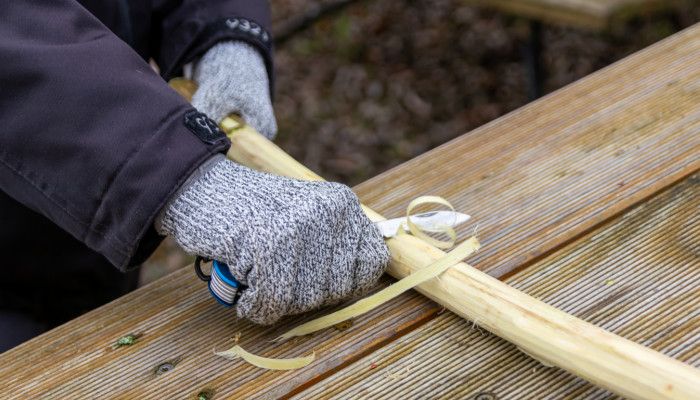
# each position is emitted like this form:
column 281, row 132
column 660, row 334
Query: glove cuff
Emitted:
column 207, row 166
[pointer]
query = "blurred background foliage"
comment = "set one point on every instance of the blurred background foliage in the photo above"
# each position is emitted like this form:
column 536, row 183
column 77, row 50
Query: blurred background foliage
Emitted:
column 369, row 84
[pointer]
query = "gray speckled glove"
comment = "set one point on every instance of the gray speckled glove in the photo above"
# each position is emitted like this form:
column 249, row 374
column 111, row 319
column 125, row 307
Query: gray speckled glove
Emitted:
column 232, row 78
column 297, row 245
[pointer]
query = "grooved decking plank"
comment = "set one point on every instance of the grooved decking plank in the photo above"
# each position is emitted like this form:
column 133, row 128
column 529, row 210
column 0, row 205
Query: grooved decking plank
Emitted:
column 551, row 170
column 637, row 276
column 179, row 323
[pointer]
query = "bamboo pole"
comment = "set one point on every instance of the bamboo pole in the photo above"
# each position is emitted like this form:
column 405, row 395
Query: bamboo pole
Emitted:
column 541, row 331
column 544, row 332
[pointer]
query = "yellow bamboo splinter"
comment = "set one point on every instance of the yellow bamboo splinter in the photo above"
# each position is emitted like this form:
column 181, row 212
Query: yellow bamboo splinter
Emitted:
column 419, row 231
column 460, row 252
column 264, row 362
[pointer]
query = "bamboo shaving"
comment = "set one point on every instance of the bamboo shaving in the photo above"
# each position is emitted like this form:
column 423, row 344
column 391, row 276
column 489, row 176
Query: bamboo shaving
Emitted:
column 475, row 325
column 399, row 376
column 431, row 271
column 264, row 362
column 419, row 231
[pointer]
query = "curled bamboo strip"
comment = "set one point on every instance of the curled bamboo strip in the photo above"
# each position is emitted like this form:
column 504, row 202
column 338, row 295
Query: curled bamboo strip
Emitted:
column 237, row 351
column 368, row 303
column 603, row 358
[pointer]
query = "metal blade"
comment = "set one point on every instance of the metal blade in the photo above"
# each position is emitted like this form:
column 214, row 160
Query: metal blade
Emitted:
column 429, row 220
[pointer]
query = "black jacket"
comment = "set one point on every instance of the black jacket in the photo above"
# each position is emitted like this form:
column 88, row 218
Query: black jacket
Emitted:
column 90, row 136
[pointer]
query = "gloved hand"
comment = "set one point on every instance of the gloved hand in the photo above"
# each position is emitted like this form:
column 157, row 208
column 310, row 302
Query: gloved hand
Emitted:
column 232, row 78
column 297, row 245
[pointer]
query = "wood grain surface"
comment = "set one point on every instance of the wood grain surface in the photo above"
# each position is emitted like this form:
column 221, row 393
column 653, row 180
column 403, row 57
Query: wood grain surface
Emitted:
column 536, row 180
column 545, row 173
column 178, row 325
column 637, row 276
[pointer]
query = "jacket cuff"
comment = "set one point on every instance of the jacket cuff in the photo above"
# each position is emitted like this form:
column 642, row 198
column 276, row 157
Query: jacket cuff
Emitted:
column 148, row 180
column 234, row 28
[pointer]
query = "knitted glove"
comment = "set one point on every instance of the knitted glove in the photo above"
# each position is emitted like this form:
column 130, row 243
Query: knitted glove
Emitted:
column 232, row 78
column 297, row 245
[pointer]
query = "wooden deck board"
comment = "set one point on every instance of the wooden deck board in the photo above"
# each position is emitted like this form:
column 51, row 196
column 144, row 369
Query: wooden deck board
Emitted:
column 637, row 276
column 534, row 180
column 180, row 324
column 557, row 167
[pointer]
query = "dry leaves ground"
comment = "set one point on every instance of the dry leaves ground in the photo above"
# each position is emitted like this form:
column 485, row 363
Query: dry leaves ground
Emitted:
column 379, row 82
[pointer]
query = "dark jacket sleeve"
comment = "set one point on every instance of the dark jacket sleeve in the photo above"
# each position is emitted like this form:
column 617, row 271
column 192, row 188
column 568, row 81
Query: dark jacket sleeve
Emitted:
column 175, row 32
column 185, row 29
column 91, row 137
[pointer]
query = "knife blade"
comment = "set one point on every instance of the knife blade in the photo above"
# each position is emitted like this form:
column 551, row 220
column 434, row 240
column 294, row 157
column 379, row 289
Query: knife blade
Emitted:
column 430, row 220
